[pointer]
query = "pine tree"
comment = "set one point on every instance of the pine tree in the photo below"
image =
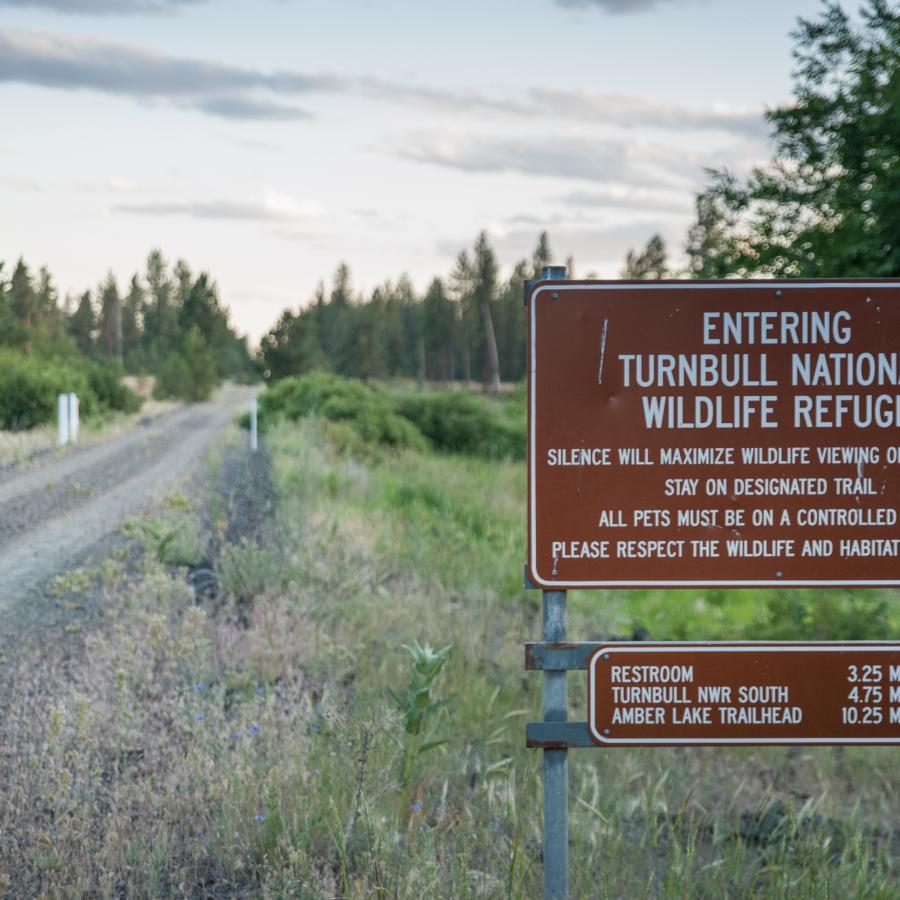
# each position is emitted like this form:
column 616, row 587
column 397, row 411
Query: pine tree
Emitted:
column 82, row 324
column 649, row 264
column 438, row 332
column 109, row 322
column 11, row 332
column 710, row 244
column 511, row 324
column 160, row 335
column 23, row 302
column 462, row 281
column 485, row 291
column 542, row 256
column 132, row 318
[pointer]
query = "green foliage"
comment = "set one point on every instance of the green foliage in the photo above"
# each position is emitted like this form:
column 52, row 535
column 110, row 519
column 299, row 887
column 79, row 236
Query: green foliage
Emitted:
column 29, row 387
column 188, row 373
column 651, row 263
column 173, row 540
column 169, row 323
column 459, row 422
column 468, row 327
column 826, row 204
column 369, row 411
column 417, row 703
column 823, row 616
column 247, row 570
column 105, row 380
column 360, row 415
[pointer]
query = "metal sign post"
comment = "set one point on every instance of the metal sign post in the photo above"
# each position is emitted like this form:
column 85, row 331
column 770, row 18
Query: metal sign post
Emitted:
column 684, row 434
column 556, row 761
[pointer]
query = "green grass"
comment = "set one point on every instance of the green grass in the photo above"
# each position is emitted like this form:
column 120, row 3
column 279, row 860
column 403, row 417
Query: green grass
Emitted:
column 435, row 548
column 288, row 771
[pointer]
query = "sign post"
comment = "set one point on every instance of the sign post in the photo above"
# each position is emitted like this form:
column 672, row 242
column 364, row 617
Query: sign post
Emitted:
column 556, row 761
column 684, row 434
column 62, row 419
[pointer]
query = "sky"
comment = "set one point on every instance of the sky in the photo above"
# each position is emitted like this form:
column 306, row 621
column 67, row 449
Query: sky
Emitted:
column 265, row 141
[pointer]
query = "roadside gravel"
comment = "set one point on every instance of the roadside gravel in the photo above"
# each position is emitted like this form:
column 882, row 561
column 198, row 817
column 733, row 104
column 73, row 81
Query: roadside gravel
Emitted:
column 56, row 512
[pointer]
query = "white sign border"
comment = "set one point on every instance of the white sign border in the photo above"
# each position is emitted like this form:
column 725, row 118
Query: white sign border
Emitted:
column 562, row 287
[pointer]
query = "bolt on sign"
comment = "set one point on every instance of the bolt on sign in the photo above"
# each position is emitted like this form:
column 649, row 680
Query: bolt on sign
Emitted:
column 731, row 433
column 709, row 694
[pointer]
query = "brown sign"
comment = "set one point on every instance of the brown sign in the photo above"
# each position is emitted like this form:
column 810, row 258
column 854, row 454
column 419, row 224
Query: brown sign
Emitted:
column 812, row 693
column 714, row 433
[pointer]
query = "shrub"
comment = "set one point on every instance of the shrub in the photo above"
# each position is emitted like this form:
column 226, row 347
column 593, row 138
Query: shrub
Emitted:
column 822, row 616
column 188, row 374
column 457, row 422
column 29, row 386
column 105, row 379
column 370, row 412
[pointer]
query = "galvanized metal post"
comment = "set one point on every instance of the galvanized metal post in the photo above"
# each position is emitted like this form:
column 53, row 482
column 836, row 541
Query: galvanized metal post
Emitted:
column 556, row 762
column 62, row 419
column 74, row 418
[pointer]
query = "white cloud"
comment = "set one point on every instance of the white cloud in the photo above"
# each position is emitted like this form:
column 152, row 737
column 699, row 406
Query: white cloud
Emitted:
column 73, row 63
column 614, row 197
column 272, row 207
column 239, row 93
column 600, row 160
column 101, row 7
column 617, row 7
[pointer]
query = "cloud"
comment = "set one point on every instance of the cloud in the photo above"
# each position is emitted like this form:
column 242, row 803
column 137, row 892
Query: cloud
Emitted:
column 244, row 108
column 274, row 207
column 615, row 198
column 101, row 7
column 15, row 183
column 601, row 160
column 72, row 63
column 617, row 7
column 630, row 112
column 239, row 93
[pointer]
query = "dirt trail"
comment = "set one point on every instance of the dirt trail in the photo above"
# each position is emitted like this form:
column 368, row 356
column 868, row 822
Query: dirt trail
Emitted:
column 51, row 515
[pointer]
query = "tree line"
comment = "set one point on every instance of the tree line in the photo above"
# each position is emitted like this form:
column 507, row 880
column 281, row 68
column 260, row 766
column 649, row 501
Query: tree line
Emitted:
column 466, row 327
column 169, row 323
column 824, row 206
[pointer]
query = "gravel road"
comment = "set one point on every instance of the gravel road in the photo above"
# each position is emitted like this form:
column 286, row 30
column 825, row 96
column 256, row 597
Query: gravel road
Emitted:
column 52, row 514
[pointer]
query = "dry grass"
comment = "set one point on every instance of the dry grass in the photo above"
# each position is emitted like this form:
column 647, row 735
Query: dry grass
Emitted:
column 247, row 746
column 18, row 447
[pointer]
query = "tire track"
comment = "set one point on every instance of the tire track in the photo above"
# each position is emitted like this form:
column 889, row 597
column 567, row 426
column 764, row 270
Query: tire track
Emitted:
column 47, row 528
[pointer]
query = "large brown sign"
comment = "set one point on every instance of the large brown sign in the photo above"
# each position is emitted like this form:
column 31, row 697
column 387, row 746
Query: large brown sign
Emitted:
column 705, row 694
column 714, row 433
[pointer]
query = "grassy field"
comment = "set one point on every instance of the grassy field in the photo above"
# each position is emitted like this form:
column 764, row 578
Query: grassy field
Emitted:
column 266, row 741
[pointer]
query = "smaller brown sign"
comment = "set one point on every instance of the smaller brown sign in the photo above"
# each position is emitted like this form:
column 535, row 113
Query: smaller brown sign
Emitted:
column 744, row 693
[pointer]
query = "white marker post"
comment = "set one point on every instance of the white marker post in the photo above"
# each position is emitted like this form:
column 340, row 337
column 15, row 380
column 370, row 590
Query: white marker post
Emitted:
column 74, row 418
column 254, row 416
column 62, row 420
